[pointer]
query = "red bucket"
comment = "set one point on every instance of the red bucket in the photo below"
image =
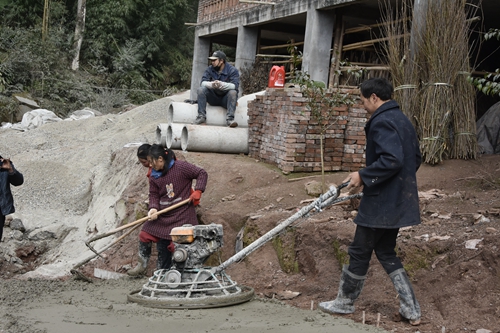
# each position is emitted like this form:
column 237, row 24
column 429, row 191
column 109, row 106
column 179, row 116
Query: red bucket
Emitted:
column 277, row 77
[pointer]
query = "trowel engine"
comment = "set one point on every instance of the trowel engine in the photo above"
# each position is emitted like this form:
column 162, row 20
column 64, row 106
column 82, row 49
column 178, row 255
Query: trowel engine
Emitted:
column 189, row 283
column 193, row 246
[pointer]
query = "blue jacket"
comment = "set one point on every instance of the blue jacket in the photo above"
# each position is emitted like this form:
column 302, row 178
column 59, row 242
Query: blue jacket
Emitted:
column 229, row 74
column 6, row 199
column 390, row 195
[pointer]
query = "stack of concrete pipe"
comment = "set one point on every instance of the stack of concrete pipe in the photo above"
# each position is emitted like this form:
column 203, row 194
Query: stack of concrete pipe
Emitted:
column 214, row 136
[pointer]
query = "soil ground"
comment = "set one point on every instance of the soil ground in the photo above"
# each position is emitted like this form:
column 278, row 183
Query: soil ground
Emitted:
column 453, row 256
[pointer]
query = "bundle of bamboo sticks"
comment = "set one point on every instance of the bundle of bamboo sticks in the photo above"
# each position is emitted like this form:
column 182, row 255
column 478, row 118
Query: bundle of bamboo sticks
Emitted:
column 397, row 50
column 428, row 69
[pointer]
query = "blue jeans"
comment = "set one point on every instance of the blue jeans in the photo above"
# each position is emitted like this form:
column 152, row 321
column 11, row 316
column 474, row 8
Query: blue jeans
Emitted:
column 366, row 240
column 227, row 101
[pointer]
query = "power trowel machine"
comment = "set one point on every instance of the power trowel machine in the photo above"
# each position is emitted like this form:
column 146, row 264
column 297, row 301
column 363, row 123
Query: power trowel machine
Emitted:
column 190, row 284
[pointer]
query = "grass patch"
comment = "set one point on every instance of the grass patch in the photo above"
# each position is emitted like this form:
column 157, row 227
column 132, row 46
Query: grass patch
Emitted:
column 415, row 258
column 284, row 245
column 341, row 255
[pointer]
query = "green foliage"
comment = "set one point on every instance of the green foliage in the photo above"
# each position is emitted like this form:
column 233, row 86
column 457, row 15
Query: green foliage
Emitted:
column 323, row 104
column 132, row 51
column 490, row 83
column 341, row 255
column 415, row 259
column 284, row 246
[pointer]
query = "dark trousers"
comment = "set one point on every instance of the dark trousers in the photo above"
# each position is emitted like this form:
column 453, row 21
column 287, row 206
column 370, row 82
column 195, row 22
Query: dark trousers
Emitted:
column 227, row 101
column 2, row 223
column 366, row 240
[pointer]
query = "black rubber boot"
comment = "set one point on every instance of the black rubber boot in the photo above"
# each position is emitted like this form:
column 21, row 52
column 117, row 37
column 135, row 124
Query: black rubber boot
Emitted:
column 350, row 287
column 142, row 260
column 408, row 304
column 164, row 254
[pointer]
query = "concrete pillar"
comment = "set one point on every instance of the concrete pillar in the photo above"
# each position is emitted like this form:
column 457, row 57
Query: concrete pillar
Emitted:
column 317, row 44
column 246, row 48
column 420, row 8
column 200, row 62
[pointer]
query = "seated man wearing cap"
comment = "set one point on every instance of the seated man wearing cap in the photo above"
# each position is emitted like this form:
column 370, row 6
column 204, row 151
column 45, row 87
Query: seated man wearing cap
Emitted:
column 219, row 87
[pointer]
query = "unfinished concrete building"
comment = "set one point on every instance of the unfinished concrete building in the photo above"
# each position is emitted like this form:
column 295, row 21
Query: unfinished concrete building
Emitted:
column 324, row 33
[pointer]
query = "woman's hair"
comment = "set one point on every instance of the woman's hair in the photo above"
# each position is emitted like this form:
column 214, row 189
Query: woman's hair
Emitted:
column 157, row 151
column 378, row 86
column 143, row 150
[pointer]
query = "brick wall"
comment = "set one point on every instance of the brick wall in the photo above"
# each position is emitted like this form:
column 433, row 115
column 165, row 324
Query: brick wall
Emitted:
column 281, row 132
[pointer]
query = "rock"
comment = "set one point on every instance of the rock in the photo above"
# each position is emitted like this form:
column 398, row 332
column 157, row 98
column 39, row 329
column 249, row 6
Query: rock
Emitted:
column 435, row 238
column 229, row 198
column 287, row 294
column 491, row 230
column 42, row 235
column 17, row 235
column 8, row 220
column 480, row 218
column 313, row 188
column 17, row 224
column 472, row 243
column 483, row 330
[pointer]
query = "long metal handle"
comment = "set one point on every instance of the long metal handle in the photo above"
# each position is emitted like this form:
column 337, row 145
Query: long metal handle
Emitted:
column 332, row 193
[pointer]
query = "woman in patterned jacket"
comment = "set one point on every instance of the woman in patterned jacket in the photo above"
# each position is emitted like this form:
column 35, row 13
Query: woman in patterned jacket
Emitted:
column 171, row 181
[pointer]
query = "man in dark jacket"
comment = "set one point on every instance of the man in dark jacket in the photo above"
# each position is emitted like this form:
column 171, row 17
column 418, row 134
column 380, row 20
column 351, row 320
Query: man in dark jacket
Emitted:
column 8, row 176
column 219, row 87
column 389, row 202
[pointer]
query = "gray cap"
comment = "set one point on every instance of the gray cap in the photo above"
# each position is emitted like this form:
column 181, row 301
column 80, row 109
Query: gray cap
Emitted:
column 218, row 55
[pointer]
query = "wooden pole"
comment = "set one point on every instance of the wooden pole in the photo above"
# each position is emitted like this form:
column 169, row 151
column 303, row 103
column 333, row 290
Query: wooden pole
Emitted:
column 337, row 51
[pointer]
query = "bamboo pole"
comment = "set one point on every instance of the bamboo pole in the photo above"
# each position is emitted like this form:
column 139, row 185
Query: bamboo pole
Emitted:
column 358, row 45
column 280, row 46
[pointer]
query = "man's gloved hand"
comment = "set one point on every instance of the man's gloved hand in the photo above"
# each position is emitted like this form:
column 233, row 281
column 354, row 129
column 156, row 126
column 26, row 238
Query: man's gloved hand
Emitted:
column 152, row 214
column 195, row 197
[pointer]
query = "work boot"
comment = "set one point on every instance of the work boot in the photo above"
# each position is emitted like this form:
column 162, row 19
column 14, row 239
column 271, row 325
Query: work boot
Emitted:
column 350, row 287
column 408, row 304
column 164, row 254
column 231, row 123
column 200, row 120
column 142, row 260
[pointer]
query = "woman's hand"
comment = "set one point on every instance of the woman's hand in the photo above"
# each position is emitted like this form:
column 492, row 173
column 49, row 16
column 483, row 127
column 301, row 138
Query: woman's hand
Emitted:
column 152, row 214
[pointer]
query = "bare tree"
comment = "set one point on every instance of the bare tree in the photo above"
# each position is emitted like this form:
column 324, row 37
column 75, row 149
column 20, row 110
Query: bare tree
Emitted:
column 79, row 29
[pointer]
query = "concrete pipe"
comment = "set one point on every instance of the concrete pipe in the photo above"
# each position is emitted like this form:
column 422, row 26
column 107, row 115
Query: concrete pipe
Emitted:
column 174, row 133
column 216, row 115
column 161, row 135
column 215, row 139
column 169, row 135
